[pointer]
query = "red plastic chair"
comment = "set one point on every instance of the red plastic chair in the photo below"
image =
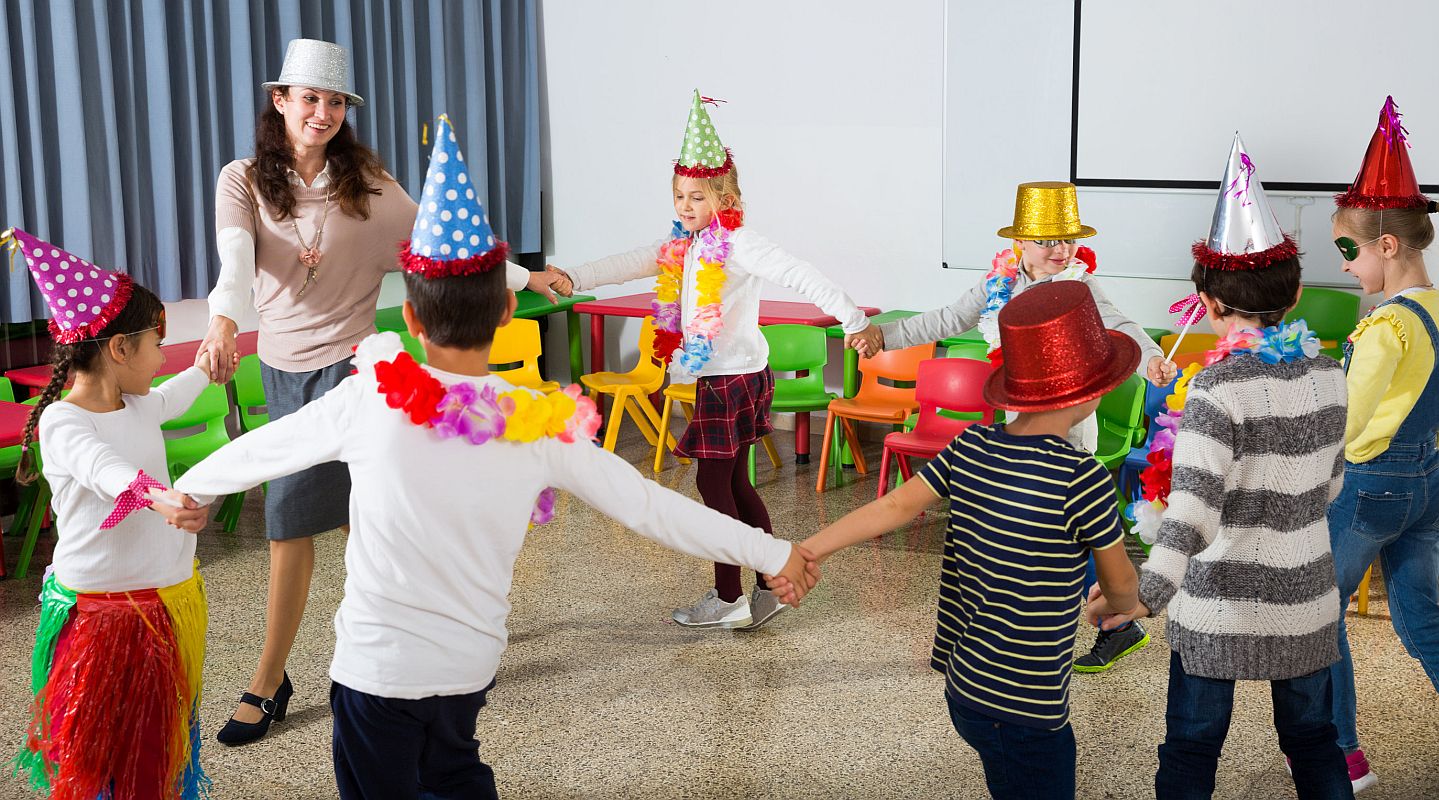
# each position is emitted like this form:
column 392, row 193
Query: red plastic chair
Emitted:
column 950, row 384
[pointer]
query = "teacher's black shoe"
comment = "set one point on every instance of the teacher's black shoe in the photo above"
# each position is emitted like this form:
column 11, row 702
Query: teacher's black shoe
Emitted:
column 272, row 709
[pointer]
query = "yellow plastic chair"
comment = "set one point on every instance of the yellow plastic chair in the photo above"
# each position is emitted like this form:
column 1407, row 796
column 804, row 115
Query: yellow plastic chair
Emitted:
column 631, row 391
column 519, row 343
column 684, row 394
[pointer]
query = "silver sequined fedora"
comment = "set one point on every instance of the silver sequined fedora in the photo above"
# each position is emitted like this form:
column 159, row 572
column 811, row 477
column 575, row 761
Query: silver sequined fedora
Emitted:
column 317, row 65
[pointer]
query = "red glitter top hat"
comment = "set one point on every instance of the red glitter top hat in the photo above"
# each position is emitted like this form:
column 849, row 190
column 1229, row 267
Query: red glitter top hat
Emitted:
column 1386, row 178
column 1057, row 352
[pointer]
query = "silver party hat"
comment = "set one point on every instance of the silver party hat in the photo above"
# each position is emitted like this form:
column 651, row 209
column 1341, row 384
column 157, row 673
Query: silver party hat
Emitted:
column 316, row 64
column 1245, row 234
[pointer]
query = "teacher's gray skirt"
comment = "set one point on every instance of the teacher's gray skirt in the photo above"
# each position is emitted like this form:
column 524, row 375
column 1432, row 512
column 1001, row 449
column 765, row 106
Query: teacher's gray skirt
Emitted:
column 318, row 499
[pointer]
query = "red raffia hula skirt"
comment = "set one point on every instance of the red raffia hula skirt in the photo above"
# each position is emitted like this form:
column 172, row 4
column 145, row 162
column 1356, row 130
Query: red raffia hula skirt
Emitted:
column 116, row 681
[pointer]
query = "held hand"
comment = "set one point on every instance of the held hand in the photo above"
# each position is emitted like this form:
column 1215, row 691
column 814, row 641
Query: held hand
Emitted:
column 219, row 345
column 800, row 574
column 868, row 342
column 561, row 281
column 1099, row 613
column 1160, row 372
column 180, row 510
column 540, row 283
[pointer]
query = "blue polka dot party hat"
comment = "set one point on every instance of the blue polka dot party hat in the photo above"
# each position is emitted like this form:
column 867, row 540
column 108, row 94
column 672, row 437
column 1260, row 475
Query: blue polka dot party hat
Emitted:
column 452, row 234
column 702, row 154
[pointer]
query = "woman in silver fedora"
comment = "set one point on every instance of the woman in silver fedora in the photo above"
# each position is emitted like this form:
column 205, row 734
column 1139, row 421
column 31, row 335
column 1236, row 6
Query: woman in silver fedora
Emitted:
column 306, row 231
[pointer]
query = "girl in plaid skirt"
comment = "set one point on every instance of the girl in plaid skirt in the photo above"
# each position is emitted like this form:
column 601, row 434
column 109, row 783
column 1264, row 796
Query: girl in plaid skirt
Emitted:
column 710, row 272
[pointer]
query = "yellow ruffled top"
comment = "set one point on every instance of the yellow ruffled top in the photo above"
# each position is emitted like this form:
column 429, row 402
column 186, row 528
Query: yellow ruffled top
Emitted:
column 1393, row 358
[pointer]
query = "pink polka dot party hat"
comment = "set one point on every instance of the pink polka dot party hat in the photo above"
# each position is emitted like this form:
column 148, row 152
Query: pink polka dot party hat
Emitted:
column 82, row 297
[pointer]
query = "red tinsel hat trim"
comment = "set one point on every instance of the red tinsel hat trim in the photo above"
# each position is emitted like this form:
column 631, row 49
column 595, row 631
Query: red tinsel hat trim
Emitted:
column 1357, row 199
column 431, row 268
column 706, row 172
column 1231, row 262
column 124, row 287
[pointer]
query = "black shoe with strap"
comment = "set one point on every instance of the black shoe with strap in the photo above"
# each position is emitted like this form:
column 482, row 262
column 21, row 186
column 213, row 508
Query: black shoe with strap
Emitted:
column 272, row 709
column 1110, row 646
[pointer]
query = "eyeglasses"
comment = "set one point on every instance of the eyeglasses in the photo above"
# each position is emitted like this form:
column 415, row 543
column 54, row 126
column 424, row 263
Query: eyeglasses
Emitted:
column 1047, row 243
column 1349, row 249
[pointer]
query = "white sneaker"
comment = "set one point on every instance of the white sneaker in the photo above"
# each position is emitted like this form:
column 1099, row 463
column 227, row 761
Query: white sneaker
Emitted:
column 712, row 612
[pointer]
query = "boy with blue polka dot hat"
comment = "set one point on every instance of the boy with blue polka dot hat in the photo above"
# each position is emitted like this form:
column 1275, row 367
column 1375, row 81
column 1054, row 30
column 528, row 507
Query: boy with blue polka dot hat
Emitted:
column 452, row 234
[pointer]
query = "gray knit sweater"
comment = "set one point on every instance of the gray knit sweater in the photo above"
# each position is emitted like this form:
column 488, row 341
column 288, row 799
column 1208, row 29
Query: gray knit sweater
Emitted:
column 1242, row 558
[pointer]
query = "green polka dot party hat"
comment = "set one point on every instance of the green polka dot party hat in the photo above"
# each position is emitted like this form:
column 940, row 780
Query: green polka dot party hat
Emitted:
column 702, row 154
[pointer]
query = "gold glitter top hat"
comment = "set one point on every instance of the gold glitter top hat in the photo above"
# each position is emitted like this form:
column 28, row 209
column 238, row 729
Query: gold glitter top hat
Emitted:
column 314, row 64
column 1046, row 210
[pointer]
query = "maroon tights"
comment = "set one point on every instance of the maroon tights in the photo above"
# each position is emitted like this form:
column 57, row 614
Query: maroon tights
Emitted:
column 724, row 485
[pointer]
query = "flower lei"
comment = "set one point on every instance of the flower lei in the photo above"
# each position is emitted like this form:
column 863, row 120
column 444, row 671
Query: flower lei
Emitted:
column 999, row 288
column 481, row 415
column 1274, row 345
column 693, row 347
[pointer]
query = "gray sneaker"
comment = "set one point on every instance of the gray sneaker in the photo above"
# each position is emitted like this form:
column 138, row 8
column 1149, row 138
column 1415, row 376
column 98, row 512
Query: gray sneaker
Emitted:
column 1110, row 646
column 712, row 612
column 763, row 607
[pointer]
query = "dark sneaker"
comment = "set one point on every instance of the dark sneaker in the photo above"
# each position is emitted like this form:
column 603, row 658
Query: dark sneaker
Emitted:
column 1110, row 646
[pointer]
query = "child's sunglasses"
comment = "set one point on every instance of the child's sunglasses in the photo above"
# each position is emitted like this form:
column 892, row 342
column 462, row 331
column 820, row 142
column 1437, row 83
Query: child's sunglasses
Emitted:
column 1349, row 249
column 1052, row 242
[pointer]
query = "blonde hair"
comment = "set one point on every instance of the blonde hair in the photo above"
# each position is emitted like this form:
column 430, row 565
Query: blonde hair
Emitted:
column 717, row 188
column 1411, row 226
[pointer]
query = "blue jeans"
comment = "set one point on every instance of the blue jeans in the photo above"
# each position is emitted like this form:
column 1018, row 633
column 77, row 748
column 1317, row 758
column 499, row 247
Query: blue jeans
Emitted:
column 1389, row 509
column 1020, row 763
column 1197, row 720
column 389, row 749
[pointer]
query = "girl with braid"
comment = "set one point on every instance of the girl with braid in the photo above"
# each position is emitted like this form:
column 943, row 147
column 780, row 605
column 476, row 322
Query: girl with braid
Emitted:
column 121, row 637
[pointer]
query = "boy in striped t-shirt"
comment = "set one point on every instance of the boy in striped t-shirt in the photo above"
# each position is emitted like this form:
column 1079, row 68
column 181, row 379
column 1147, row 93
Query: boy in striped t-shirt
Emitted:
column 1026, row 508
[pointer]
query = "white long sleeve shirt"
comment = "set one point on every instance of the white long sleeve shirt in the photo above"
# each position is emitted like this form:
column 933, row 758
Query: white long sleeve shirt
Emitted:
column 89, row 460
column 436, row 526
column 740, row 348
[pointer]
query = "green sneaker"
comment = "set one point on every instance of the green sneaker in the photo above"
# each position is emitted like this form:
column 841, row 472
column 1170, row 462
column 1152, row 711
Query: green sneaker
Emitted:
column 1110, row 646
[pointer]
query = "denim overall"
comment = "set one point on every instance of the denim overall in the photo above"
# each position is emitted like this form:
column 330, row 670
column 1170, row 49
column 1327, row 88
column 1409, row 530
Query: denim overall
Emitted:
column 1389, row 508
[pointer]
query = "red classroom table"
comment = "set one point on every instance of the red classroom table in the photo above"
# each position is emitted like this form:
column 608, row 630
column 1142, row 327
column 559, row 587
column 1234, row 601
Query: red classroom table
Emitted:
column 12, row 431
column 178, row 357
column 771, row 312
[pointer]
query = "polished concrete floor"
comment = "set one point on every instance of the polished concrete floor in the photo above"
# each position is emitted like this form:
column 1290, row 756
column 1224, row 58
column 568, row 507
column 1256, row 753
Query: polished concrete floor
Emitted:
column 599, row 696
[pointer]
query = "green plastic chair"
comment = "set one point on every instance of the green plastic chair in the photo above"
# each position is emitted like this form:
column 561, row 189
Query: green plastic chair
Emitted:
column 34, row 505
column 1121, row 422
column 209, row 410
column 1331, row 314
column 250, row 394
column 794, row 349
column 250, row 402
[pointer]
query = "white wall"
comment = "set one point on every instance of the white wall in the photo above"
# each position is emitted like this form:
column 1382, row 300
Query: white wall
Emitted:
column 835, row 117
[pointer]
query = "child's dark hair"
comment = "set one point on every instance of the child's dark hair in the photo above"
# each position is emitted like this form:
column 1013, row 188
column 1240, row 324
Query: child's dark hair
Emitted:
column 141, row 313
column 1270, row 290
column 459, row 311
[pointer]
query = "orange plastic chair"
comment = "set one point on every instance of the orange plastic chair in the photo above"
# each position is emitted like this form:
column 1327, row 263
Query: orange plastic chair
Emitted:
column 684, row 394
column 631, row 391
column 950, row 384
column 874, row 402
column 519, row 343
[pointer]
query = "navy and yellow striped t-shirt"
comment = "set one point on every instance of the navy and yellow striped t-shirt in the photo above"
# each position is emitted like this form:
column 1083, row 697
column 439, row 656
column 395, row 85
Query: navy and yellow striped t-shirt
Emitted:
column 1024, row 512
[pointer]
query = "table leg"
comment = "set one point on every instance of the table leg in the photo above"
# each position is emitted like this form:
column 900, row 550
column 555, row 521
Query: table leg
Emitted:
column 851, row 388
column 577, row 350
column 597, row 352
column 801, row 437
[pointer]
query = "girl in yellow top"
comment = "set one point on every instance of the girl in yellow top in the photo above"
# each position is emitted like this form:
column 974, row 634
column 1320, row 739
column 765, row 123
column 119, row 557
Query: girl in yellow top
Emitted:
column 1389, row 505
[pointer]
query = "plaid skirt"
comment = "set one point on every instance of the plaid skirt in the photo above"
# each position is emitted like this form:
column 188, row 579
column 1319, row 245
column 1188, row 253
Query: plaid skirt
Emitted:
column 731, row 411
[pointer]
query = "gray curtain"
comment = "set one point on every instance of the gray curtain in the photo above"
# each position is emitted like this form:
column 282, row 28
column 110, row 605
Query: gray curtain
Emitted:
column 117, row 115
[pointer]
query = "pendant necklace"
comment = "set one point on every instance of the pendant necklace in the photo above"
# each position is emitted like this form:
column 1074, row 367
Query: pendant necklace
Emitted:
column 310, row 253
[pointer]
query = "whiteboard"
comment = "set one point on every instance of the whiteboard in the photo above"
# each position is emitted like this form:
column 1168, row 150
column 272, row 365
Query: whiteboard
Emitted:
column 1008, row 118
column 1162, row 87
